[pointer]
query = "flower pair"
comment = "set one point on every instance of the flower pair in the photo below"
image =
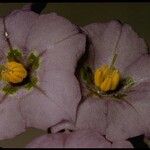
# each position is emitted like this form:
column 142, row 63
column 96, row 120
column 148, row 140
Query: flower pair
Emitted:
column 114, row 105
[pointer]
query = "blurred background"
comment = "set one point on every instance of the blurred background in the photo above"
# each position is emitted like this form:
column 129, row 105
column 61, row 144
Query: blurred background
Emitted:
column 135, row 14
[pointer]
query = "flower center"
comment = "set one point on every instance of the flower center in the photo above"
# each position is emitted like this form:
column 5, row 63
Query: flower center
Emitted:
column 107, row 78
column 19, row 71
column 13, row 72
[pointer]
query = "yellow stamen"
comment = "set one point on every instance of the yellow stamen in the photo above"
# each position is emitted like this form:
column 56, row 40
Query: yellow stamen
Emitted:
column 13, row 72
column 107, row 78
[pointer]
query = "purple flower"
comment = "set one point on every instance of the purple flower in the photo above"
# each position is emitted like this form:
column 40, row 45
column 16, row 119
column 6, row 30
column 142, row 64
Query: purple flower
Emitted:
column 49, row 46
column 77, row 139
column 114, row 114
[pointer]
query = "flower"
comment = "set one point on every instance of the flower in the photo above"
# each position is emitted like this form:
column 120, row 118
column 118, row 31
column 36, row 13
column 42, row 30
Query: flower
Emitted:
column 38, row 60
column 122, row 112
column 76, row 139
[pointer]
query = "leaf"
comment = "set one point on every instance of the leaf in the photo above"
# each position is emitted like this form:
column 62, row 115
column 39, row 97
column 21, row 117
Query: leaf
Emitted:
column 86, row 74
column 8, row 89
column 14, row 55
column 32, row 83
column 33, row 61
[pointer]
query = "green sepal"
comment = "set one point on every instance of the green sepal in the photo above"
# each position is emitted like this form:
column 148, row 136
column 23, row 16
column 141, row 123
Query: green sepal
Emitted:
column 128, row 82
column 86, row 74
column 119, row 95
column 8, row 89
column 33, row 61
column 1, row 69
column 14, row 55
column 32, row 83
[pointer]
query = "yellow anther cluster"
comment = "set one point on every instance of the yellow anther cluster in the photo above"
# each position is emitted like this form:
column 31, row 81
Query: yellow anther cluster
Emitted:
column 107, row 78
column 13, row 72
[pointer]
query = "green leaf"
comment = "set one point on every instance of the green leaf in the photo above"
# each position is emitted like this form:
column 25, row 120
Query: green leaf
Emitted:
column 86, row 74
column 8, row 89
column 14, row 55
column 33, row 61
column 32, row 83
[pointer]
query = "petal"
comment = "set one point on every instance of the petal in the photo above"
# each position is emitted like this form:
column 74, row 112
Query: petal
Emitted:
column 130, row 117
column 86, row 139
column 122, row 144
column 123, row 122
column 112, row 35
column 11, row 121
column 129, row 42
column 53, row 79
column 64, row 56
column 77, row 139
column 57, row 101
column 48, row 30
column 92, row 115
column 140, row 99
column 63, row 125
column 18, row 25
column 48, row 141
column 104, row 37
column 3, row 43
column 139, row 70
